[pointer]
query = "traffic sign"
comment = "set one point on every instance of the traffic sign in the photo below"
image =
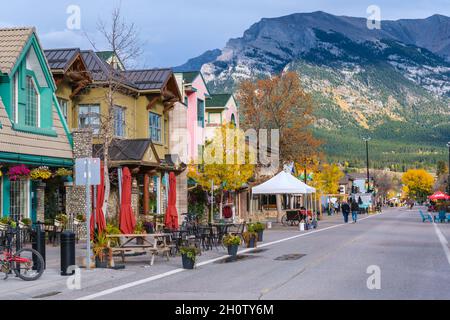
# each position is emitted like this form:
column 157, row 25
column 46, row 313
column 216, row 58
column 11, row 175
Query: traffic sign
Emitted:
column 87, row 172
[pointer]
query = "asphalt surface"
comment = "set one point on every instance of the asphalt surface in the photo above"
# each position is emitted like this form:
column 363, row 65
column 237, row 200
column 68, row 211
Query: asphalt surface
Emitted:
column 331, row 263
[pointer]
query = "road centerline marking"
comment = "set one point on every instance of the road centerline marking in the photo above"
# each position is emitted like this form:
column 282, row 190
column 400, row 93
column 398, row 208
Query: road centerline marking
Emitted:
column 204, row 263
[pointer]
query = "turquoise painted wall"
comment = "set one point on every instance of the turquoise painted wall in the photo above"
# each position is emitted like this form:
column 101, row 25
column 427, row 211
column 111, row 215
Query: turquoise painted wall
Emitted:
column 6, row 199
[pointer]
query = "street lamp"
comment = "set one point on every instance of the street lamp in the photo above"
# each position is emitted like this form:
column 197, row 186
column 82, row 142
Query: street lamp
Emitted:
column 367, row 139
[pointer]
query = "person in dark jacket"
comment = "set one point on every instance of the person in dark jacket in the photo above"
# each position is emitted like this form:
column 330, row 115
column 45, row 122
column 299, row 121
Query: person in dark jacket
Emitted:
column 345, row 210
column 355, row 210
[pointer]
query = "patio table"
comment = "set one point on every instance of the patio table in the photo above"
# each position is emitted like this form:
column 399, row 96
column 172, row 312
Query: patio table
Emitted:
column 151, row 243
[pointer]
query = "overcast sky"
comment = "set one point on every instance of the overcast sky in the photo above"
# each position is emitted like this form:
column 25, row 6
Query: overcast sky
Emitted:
column 175, row 30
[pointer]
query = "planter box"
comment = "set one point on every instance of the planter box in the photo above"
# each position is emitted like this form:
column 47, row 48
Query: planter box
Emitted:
column 188, row 264
column 260, row 236
column 232, row 251
column 252, row 243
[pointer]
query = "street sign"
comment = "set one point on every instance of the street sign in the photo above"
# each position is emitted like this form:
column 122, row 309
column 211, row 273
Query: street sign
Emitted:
column 87, row 172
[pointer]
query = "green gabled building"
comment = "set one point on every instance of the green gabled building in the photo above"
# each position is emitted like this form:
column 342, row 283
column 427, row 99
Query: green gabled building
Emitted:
column 33, row 131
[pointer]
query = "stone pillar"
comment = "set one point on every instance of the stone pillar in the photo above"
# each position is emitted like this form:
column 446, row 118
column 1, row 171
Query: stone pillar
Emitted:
column 40, row 197
column 76, row 195
column 135, row 198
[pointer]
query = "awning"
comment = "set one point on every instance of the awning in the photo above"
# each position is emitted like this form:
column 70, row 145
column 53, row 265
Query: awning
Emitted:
column 283, row 183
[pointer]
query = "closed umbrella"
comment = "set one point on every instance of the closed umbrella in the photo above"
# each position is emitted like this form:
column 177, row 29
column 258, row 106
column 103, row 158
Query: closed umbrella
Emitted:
column 171, row 218
column 98, row 218
column 127, row 219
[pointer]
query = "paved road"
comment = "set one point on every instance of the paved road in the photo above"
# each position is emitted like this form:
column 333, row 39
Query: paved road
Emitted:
column 409, row 254
column 328, row 264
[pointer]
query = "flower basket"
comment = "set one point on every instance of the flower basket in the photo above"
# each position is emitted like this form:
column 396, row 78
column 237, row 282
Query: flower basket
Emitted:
column 189, row 257
column 18, row 172
column 41, row 173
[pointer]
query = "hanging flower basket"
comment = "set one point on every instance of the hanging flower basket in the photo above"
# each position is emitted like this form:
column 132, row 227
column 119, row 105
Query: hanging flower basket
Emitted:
column 18, row 172
column 63, row 172
column 41, row 173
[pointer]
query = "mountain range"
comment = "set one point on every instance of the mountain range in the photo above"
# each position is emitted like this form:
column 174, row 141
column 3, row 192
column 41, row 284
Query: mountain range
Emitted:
column 392, row 83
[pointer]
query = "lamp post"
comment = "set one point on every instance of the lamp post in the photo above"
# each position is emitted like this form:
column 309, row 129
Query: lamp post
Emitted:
column 367, row 160
column 448, row 179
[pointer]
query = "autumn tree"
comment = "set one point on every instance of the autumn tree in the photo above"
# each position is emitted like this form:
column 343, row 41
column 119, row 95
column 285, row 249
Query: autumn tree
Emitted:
column 417, row 184
column 441, row 168
column 281, row 103
column 326, row 179
column 385, row 182
column 228, row 162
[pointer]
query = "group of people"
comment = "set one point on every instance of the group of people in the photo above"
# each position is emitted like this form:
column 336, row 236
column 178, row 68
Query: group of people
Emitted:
column 352, row 207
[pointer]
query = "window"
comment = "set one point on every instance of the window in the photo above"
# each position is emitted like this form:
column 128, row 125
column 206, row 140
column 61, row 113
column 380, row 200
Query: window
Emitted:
column 215, row 118
column 186, row 101
column 19, row 199
column 233, row 119
column 89, row 117
column 15, row 95
column 166, row 132
column 32, row 106
column 201, row 113
column 155, row 127
column 119, row 121
column 64, row 105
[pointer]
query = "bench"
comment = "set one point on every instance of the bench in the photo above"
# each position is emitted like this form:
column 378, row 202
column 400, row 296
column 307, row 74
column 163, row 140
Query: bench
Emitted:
column 425, row 217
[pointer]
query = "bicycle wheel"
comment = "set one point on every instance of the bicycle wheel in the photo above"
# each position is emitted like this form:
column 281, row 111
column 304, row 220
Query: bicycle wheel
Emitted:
column 28, row 264
column 284, row 220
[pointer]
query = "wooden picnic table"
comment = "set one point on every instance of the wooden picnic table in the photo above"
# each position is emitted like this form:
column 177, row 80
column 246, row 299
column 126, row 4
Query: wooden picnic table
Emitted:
column 154, row 244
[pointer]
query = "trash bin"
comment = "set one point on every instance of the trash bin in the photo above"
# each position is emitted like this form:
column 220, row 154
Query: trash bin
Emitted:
column 67, row 252
column 38, row 242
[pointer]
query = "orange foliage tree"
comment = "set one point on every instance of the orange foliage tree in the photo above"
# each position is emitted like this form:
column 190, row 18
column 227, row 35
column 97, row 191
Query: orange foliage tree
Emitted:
column 280, row 102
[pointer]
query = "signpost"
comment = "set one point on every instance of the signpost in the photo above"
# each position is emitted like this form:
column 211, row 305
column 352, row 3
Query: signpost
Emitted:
column 87, row 173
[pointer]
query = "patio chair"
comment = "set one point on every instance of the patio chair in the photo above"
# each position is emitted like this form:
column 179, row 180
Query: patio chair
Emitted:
column 425, row 217
column 441, row 217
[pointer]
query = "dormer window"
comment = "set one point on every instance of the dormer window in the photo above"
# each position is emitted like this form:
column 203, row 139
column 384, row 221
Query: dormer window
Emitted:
column 32, row 106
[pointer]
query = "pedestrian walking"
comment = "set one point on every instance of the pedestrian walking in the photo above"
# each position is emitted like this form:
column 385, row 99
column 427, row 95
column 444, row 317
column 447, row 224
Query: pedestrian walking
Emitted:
column 345, row 210
column 355, row 210
column 337, row 207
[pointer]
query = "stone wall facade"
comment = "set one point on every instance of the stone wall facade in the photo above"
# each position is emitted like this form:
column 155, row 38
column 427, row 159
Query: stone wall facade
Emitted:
column 76, row 195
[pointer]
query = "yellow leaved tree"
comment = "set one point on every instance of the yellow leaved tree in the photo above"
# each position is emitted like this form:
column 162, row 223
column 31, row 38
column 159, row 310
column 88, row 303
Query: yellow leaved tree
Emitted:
column 417, row 184
column 228, row 162
column 326, row 180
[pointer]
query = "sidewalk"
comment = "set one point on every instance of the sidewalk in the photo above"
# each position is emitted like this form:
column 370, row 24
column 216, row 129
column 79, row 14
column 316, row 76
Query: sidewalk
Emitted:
column 53, row 286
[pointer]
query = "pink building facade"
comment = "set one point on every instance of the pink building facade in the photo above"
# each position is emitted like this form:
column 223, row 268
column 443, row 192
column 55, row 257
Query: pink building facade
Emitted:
column 195, row 95
column 220, row 109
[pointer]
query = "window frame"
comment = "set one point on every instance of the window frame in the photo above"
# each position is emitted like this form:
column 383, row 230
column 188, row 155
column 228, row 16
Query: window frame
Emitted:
column 158, row 129
column 61, row 102
column 117, row 121
column 15, row 99
column 201, row 120
column 24, row 186
column 38, row 101
column 90, row 115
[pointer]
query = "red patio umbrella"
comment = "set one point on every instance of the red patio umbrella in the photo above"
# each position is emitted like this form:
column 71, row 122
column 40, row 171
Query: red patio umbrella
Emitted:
column 99, row 214
column 439, row 196
column 171, row 218
column 127, row 219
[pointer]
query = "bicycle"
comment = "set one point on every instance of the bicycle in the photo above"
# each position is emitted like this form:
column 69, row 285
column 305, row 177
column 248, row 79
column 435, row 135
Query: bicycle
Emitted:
column 27, row 264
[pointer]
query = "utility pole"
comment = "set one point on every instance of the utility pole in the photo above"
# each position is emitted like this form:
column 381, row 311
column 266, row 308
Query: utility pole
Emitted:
column 367, row 161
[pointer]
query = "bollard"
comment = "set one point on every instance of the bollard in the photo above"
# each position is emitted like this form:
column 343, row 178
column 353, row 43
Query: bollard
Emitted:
column 38, row 242
column 67, row 252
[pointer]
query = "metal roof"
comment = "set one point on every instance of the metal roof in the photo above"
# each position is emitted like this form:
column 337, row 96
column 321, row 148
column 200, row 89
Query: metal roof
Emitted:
column 61, row 59
column 152, row 79
column 124, row 150
column 218, row 100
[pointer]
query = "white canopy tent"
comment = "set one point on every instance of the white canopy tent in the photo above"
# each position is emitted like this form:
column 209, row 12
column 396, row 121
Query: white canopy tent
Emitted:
column 286, row 183
column 283, row 183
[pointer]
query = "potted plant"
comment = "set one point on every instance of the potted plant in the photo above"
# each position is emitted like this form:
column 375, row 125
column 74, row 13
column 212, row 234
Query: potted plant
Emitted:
column 189, row 257
column 4, row 222
column 26, row 222
column 250, row 238
column 111, row 229
column 61, row 220
column 232, row 243
column 259, row 229
column 100, row 249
